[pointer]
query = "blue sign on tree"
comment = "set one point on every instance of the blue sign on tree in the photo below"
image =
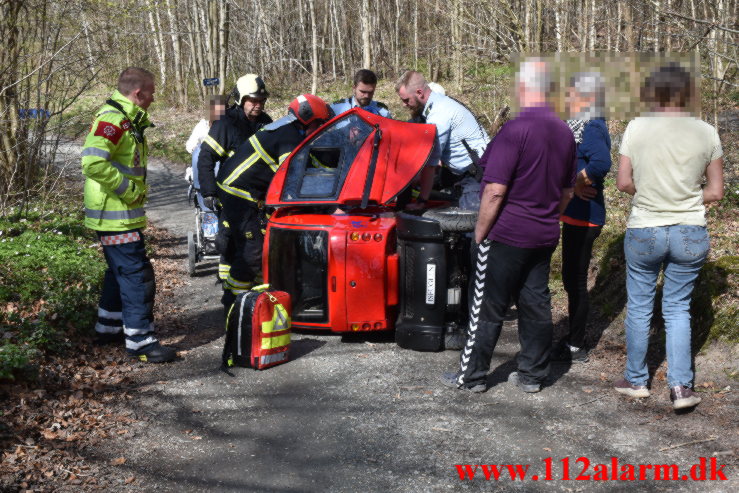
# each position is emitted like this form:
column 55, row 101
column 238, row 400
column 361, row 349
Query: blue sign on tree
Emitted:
column 211, row 82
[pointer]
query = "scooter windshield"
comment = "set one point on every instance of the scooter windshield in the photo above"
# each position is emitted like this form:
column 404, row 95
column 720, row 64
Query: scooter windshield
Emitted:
column 318, row 170
column 356, row 159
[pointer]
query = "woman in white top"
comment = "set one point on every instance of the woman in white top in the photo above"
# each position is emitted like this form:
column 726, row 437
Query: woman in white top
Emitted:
column 216, row 108
column 665, row 158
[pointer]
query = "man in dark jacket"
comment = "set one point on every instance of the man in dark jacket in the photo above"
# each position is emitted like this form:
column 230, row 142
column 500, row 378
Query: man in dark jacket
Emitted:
column 239, row 123
column 244, row 178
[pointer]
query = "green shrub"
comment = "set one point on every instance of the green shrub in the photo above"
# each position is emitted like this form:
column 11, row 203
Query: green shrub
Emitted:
column 50, row 275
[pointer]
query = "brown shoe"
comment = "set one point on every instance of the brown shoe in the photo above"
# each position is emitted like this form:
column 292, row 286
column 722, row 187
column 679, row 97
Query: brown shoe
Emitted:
column 623, row 386
column 683, row 397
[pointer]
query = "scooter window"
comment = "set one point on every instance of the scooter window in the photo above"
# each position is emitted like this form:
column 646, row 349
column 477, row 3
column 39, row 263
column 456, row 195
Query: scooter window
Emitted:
column 319, row 169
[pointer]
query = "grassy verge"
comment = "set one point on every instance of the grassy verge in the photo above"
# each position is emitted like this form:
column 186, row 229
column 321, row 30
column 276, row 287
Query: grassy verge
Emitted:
column 50, row 274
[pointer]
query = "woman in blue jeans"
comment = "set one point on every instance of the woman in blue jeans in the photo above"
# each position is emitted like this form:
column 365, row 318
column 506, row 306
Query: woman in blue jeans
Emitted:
column 665, row 158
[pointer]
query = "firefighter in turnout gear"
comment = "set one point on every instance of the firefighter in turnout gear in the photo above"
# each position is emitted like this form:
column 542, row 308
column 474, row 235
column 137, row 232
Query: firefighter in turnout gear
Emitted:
column 244, row 178
column 240, row 122
column 114, row 163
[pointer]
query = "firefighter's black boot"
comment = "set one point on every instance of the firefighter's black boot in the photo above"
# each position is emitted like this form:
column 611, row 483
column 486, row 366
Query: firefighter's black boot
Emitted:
column 154, row 353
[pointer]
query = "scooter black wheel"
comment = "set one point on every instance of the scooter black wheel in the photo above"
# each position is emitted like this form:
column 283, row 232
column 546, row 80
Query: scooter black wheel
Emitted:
column 453, row 218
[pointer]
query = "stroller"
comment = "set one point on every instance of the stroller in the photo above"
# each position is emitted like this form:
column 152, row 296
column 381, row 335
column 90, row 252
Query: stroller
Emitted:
column 201, row 243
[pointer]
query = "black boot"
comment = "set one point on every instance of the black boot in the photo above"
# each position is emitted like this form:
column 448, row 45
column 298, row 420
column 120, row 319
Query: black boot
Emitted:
column 154, row 353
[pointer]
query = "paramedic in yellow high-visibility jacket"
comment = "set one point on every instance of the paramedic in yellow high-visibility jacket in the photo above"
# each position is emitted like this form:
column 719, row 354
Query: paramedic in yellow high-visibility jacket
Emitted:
column 114, row 164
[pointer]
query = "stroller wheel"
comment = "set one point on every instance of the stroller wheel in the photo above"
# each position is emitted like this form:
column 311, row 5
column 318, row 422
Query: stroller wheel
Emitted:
column 192, row 252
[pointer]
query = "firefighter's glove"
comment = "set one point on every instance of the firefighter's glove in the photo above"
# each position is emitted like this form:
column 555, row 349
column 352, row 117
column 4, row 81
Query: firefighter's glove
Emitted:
column 211, row 203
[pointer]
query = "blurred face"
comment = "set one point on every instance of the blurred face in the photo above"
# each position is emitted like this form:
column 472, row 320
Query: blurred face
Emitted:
column 144, row 95
column 253, row 107
column 578, row 102
column 216, row 111
column 411, row 100
column 363, row 93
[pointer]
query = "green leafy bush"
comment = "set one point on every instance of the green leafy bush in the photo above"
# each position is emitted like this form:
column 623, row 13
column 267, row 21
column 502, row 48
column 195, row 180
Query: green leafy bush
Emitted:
column 50, row 275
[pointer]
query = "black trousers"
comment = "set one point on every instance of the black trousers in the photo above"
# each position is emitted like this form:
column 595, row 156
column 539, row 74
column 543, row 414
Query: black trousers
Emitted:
column 505, row 273
column 577, row 250
column 247, row 240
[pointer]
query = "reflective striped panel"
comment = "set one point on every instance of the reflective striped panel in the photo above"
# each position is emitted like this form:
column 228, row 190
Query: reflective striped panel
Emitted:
column 280, row 320
column 248, row 163
column 107, row 329
column 137, row 332
column 272, row 358
column 122, row 187
column 266, row 157
column 214, row 145
column 135, row 171
column 275, row 342
column 242, row 194
column 94, row 151
column 138, row 345
column 103, row 313
column 115, row 215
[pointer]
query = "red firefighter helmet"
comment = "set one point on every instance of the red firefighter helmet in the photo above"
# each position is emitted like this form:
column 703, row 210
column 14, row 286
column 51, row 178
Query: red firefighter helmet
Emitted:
column 308, row 108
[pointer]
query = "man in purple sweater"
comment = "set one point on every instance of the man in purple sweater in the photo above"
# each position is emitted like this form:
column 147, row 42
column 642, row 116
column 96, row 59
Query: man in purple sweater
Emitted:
column 529, row 177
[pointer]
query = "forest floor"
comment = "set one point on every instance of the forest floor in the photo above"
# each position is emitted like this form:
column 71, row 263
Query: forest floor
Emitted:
column 346, row 413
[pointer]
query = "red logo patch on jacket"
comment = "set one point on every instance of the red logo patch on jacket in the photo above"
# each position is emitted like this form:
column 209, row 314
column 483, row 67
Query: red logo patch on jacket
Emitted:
column 109, row 131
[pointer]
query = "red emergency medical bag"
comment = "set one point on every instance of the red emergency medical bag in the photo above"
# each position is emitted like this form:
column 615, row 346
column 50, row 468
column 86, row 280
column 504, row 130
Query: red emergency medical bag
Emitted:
column 258, row 329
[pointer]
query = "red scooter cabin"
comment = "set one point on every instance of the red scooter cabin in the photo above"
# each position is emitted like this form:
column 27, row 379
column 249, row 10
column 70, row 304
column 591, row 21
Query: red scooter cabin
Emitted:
column 332, row 242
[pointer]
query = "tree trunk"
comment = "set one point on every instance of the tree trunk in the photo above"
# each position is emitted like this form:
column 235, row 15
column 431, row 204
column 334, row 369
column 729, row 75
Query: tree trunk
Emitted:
column 158, row 45
column 223, row 32
column 629, row 23
column 173, row 28
column 314, row 44
column 9, row 59
column 366, row 46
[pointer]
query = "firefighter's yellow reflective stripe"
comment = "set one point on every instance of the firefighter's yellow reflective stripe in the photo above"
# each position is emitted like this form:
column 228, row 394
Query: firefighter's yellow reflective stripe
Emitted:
column 230, row 153
column 115, row 215
column 282, row 159
column 223, row 270
column 415, row 193
column 214, row 145
column 280, row 319
column 275, row 342
column 266, row 157
column 242, row 194
column 316, row 162
column 238, row 284
column 241, row 168
column 225, row 224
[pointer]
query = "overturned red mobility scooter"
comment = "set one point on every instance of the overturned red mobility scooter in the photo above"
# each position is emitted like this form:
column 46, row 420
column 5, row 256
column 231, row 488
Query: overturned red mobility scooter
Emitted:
column 340, row 246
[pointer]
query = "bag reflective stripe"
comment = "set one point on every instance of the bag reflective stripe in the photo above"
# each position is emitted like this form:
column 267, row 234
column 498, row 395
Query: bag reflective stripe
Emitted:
column 275, row 342
column 280, row 319
column 272, row 358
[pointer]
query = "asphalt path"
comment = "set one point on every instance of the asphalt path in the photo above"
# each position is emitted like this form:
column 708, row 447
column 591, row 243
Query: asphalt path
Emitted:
column 359, row 414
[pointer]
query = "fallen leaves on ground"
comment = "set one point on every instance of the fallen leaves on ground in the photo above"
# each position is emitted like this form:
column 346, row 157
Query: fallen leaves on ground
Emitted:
column 50, row 428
